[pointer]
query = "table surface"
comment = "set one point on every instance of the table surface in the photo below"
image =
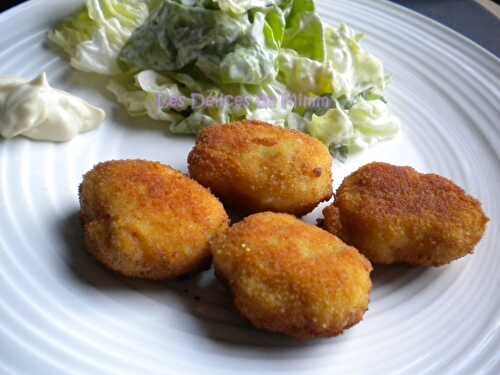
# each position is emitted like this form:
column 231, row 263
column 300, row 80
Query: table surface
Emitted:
column 468, row 17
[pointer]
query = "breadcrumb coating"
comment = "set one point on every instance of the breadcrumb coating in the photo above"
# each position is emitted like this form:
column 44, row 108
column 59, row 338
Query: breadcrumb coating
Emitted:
column 147, row 220
column 256, row 167
column 396, row 215
column 291, row 277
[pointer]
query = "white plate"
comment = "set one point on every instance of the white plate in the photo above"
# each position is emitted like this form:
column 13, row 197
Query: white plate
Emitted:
column 62, row 313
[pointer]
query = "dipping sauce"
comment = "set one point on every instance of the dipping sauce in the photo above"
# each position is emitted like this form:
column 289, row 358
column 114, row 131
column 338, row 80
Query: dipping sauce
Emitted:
column 36, row 110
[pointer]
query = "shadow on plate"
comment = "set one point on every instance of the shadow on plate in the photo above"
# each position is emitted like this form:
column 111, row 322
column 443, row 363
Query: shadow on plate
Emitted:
column 399, row 275
column 209, row 304
column 383, row 275
column 201, row 296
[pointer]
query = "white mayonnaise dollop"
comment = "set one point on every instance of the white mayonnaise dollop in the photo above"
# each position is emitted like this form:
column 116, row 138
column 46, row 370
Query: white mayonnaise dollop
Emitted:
column 36, row 110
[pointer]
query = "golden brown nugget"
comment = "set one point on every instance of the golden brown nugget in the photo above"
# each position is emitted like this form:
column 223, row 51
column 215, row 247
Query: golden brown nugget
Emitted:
column 255, row 167
column 290, row 277
column 397, row 215
column 147, row 220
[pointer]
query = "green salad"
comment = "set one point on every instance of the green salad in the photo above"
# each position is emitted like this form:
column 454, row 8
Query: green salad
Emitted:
column 195, row 63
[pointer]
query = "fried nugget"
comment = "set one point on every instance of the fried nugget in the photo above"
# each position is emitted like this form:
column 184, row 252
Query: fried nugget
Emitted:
column 256, row 167
column 397, row 215
column 290, row 277
column 147, row 220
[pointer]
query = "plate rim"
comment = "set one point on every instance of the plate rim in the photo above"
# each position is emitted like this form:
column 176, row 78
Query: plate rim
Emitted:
column 19, row 9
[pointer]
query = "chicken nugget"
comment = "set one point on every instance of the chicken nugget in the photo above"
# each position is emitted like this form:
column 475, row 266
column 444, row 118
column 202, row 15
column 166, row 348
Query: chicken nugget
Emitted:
column 397, row 215
column 147, row 220
column 255, row 167
column 290, row 277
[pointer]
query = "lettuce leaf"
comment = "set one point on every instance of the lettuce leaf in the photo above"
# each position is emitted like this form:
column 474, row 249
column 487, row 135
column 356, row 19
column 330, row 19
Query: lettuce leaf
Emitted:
column 357, row 70
column 252, row 62
column 227, row 48
column 304, row 32
column 192, row 124
column 334, row 127
column 165, row 55
column 243, row 6
column 365, row 123
column 274, row 30
column 270, row 104
column 147, row 93
column 94, row 37
column 178, row 35
column 305, row 75
column 373, row 119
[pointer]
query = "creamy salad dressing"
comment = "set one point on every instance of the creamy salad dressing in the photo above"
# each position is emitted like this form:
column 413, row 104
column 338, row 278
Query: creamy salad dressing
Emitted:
column 272, row 49
column 36, row 110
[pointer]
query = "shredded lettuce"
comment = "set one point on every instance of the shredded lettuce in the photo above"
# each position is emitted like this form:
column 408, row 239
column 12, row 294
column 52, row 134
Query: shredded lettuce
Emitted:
column 165, row 58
